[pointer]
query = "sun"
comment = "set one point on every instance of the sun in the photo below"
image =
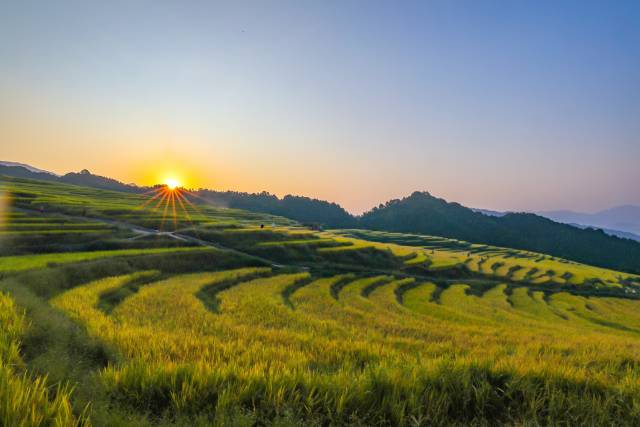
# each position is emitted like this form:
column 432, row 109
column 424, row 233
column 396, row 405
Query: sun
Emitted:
column 172, row 183
column 172, row 199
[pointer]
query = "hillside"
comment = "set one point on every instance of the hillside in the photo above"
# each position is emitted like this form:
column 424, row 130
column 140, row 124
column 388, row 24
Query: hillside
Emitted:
column 82, row 178
column 423, row 213
column 204, row 315
column 418, row 213
column 303, row 209
column 25, row 166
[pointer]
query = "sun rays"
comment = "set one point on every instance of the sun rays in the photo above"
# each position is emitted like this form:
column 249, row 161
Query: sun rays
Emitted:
column 172, row 183
column 172, row 200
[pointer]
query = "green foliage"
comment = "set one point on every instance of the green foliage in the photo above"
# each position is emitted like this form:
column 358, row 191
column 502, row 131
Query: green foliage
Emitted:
column 27, row 401
column 29, row 262
column 425, row 214
column 363, row 358
column 238, row 318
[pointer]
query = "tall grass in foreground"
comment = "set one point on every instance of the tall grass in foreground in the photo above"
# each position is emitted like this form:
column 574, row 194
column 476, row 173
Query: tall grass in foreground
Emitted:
column 358, row 356
column 26, row 401
column 237, row 348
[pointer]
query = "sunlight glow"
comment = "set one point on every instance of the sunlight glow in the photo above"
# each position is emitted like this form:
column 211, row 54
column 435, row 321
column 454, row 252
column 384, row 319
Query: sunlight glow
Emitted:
column 171, row 204
column 172, row 183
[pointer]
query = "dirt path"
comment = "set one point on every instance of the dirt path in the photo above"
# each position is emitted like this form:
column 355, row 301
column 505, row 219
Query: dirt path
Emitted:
column 143, row 232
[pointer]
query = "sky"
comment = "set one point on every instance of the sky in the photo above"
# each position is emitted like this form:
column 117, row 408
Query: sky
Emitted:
column 506, row 105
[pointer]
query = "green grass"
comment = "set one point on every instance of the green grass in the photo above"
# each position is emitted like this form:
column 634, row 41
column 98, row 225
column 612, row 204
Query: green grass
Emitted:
column 283, row 325
column 29, row 262
column 45, row 232
column 27, row 400
column 298, row 242
column 363, row 358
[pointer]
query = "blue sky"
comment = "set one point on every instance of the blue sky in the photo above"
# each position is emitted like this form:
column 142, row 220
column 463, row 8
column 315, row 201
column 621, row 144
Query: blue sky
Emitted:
column 496, row 104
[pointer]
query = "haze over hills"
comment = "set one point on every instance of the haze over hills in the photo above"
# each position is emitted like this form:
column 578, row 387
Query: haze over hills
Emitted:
column 625, row 227
column 624, row 218
column 150, row 281
column 609, row 231
column 419, row 213
column 84, row 177
column 422, row 213
column 212, row 301
column 27, row 167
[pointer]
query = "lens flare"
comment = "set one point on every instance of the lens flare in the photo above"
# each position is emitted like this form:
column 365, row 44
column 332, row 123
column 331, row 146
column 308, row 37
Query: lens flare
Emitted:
column 172, row 183
column 171, row 200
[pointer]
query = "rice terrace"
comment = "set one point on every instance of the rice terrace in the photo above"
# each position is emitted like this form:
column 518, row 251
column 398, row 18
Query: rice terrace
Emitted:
column 223, row 320
column 337, row 213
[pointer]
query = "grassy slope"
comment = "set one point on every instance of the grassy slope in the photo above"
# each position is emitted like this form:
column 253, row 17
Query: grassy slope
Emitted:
column 352, row 327
column 26, row 400
column 363, row 357
column 28, row 262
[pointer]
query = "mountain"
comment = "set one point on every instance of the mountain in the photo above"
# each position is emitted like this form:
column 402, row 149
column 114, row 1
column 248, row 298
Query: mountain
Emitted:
column 26, row 171
column 628, row 213
column 624, row 218
column 82, row 178
column 610, row 232
column 425, row 214
column 87, row 179
column 303, row 209
column 27, row 167
column 419, row 213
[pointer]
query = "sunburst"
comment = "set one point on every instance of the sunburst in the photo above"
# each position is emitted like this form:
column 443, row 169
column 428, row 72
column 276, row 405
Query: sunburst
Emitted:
column 172, row 183
column 170, row 198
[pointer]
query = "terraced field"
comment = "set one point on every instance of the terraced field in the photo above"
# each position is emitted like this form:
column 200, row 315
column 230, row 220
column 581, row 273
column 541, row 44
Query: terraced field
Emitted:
column 376, row 350
column 113, row 313
column 494, row 262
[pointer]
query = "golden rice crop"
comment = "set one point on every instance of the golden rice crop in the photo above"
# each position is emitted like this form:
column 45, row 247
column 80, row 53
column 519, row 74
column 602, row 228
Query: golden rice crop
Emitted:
column 26, row 400
column 384, row 351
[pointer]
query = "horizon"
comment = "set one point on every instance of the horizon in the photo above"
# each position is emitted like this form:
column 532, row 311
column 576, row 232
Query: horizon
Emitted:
column 172, row 183
column 496, row 106
column 460, row 244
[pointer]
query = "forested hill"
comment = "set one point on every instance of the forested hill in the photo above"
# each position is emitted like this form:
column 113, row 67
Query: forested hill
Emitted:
column 419, row 213
column 425, row 214
column 302, row 209
column 83, row 178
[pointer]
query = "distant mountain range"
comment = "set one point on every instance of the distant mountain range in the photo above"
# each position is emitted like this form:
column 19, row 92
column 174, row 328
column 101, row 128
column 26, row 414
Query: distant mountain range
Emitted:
column 623, row 218
column 27, row 167
column 83, row 178
column 621, row 221
column 420, row 213
column 425, row 214
column 610, row 232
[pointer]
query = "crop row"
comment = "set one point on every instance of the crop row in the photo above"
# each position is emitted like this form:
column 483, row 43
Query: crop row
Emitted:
column 370, row 350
